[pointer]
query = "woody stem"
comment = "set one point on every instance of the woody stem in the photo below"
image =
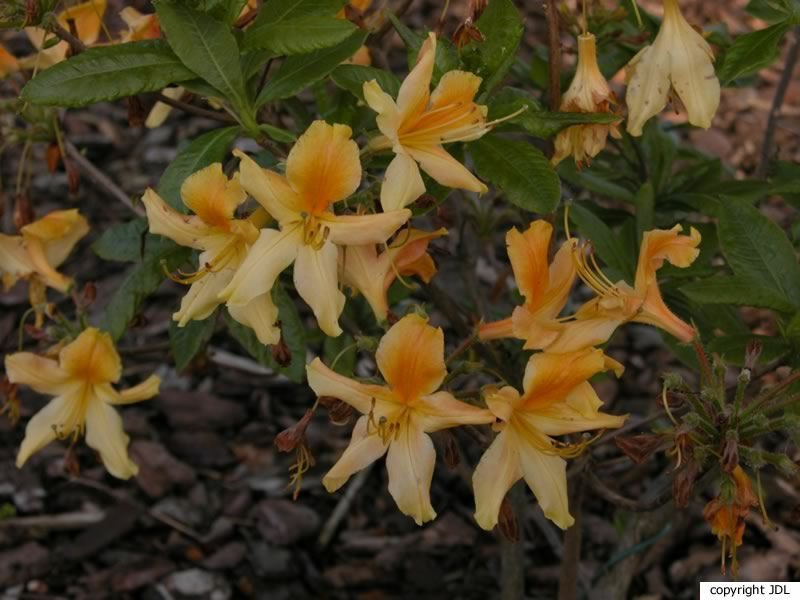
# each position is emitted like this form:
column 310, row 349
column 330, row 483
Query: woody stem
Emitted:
column 553, row 54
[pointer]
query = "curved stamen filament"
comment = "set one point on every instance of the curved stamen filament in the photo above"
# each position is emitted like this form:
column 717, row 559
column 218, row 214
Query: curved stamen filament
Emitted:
column 315, row 234
column 219, row 262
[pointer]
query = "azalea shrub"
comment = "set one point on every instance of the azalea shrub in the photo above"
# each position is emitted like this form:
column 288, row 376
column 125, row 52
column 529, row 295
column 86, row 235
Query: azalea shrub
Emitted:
column 313, row 224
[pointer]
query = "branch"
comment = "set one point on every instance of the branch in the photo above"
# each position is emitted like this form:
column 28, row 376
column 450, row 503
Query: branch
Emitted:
column 643, row 505
column 195, row 110
column 553, row 54
column 777, row 102
column 75, row 44
column 99, row 178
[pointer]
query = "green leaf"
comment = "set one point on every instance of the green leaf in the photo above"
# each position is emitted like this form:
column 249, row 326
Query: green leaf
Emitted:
column 294, row 335
column 206, row 46
column 771, row 11
column 732, row 347
column 446, row 58
column 757, row 249
column 278, row 134
column 501, row 26
column 353, row 77
column 276, row 11
column 752, row 51
column 106, row 74
column 209, row 148
column 645, row 206
column 298, row 72
column 520, row 170
column 735, row 290
column 595, row 179
column 340, row 354
column 299, row 35
column 143, row 279
column 185, row 342
column 123, row 242
column 607, row 243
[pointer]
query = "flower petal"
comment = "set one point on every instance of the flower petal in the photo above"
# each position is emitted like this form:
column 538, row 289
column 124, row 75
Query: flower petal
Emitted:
column 14, row 259
column 141, row 391
column 583, row 333
column 42, row 374
column 58, row 232
column 410, row 463
column 316, row 279
column 441, row 411
column 659, row 245
column 361, row 396
column 272, row 253
column 402, row 183
column 88, row 19
column 412, row 99
column 546, row 476
column 356, row 230
column 549, row 377
column 445, row 169
column 455, row 88
column 160, row 111
column 565, row 417
column 364, row 449
column 529, row 261
column 388, row 118
column 92, row 357
column 203, row 296
column 261, row 315
column 561, row 277
column 41, row 429
column 648, row 85
column 362, row 271
column 410, row 357
column 213, row 197
column 105, row 434
column 324, row 166
column 164, row 220
column 498, row 469
column 271, row 190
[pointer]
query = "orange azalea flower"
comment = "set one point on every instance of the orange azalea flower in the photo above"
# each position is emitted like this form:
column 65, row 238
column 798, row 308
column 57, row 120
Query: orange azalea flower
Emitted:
column 322, row 168
column 398, row 416
column 84, row 400
column 371, row 273
column 43, row 246
column 88, row 19
column 588, row 93
column 418, row 123
column 618, row 303
column 545, row 287
column 223, row 241
column 557, row 400
column 140, row 26
column 8, row 63
column 727, row 519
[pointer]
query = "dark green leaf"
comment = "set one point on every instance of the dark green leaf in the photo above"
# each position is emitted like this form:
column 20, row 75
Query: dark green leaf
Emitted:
column 446, row 57
column 209, row 148
column 298, row 72
column 645, row 207
column 771, row 11
column 520, row 170
column 604, row 240
column 757, row 249
column 736, row 290
column 278, row 134
column 185, row 342
column 501, row 26
column 276, row 11
column 206, row 46
column 340, row 354
column 123, row 242
column 143, row 279
column 732, row 347
column 353, row 77
column 293, row 334
column 752, row 51
column 298, row 35
column 597, row 180
column 107, row 73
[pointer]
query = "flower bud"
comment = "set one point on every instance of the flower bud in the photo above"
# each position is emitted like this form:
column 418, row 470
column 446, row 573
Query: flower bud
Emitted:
column 683, row 484
column 638, row 447
column 288, row 439
column 730, row 452
column 452, row 457
column 752, row 353
column 339, row 412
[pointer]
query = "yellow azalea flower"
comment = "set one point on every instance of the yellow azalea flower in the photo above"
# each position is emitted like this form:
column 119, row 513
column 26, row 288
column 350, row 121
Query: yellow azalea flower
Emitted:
column 371, row 273
column 398, row 416
column 223, row 241
column 161, row 110
column 88, row 19
column 43, row 246
column 8, row 63
column 680, row 60
column 727, row 519
column 84, row 400
column 557, row 400
column 618, row 303
column 140, row 26
column 545, row 287
column 588, row 93
column 322, row 168
column 418, row 123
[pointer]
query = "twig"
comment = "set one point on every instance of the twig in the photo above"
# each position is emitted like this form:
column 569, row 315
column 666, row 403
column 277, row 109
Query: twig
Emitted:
column 342, row 507
column 512, row 557
column 553, row 54
column 58, row 522
column 196, row 110
column 777, row 102
column 388, row 24
column 571, row 559
column 643, row 505
column 99, row 178
column 75, row 44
